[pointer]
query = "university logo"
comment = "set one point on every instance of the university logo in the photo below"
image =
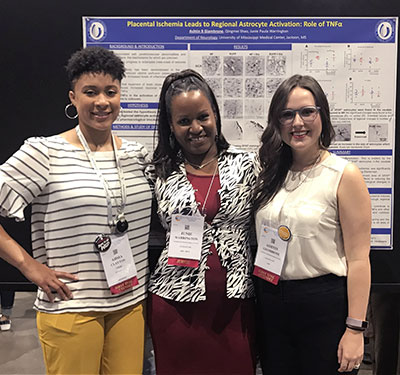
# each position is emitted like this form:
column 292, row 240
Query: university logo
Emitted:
column 97, row 30
column 385, row 30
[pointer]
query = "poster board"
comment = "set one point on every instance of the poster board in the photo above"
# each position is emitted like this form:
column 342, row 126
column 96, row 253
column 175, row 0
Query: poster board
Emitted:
column 245, row 59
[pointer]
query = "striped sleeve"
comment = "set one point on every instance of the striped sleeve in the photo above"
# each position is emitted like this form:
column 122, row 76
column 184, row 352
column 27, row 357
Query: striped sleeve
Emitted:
column 22, row 177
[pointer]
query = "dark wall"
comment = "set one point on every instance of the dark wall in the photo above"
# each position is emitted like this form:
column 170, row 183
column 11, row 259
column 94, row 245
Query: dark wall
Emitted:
column 37, row 37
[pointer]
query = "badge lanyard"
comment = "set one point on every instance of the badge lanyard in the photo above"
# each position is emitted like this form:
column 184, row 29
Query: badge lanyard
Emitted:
column 115, row 251
column 121, row 224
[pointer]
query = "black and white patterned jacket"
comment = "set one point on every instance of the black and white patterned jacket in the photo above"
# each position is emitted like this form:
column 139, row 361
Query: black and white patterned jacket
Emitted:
column 229, row 230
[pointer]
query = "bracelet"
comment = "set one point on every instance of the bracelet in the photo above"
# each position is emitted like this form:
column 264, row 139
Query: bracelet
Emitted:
column 356, row 324
column 359, row 329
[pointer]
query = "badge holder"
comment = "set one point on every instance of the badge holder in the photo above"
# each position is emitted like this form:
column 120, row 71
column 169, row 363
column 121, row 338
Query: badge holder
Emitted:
column 117, row 259
column 271, row 253
column 185, row 240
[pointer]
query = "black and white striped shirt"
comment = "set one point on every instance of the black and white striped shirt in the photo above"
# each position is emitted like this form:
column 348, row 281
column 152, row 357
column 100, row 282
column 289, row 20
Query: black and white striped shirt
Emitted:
column 69, row 210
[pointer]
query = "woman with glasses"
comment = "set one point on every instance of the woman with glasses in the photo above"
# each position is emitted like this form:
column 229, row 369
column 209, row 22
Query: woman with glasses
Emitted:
column 313, row 222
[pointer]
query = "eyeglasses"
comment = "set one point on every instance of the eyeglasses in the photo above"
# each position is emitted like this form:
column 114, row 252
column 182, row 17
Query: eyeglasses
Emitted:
column 307, row 114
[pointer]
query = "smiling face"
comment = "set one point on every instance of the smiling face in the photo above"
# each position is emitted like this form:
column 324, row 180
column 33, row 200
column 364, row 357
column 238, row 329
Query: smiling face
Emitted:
column 96, row 97
column 301, row 136
column 194, row 126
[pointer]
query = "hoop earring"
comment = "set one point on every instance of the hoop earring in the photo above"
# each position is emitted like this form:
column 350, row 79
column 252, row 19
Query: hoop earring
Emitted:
column 67, row 114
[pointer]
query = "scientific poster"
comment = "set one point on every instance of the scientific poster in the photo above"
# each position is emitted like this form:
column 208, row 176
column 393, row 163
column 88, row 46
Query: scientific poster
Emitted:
column 245, row 59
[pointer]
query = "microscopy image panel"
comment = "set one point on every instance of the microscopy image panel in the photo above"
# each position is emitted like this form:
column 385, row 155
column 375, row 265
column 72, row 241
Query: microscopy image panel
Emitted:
column 255, row 65
column 276, row 65
column 342, row 132
column 215, row 85
column 211, row 65
column 232, row 130
column 271, row 85
column 233, row 87
column 233, row 65
column 378, row 132
column 254, row 108
column 254, row 88
column 233, row 108
column 253, row 130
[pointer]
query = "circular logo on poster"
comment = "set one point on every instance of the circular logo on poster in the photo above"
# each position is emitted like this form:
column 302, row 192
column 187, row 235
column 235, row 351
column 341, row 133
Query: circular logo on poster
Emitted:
column 97, row 30
column 385, row 30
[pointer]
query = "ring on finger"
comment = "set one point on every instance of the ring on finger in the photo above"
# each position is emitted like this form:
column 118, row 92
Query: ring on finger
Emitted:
column 357, row 366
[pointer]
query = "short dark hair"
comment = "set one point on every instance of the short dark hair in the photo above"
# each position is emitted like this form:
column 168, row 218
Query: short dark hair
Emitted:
column 275, row 155
column 94, row 60
column 167, row 155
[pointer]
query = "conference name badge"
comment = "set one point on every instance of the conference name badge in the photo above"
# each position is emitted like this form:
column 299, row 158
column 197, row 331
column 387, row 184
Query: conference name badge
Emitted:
column 119, row 266
column 271, row 252
column 185, row 241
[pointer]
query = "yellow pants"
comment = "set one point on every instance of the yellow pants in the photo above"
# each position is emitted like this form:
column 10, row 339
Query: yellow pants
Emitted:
column 93, row 342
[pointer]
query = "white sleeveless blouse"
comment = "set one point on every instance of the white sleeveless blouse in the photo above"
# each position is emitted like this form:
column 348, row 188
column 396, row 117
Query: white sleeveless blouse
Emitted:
column 309, row 207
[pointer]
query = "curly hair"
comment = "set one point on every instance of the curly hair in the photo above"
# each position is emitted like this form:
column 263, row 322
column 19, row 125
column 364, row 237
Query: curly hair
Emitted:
column 168, row 155
column 94, row 60
column 276, row 156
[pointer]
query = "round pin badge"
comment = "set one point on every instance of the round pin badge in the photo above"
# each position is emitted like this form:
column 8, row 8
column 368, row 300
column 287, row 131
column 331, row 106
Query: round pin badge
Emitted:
column 284, row 233
column 102, row 242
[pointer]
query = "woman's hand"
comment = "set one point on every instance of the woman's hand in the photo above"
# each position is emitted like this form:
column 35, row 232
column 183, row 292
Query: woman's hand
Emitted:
column 350, row 350
column 48, row 279
column 38, row 273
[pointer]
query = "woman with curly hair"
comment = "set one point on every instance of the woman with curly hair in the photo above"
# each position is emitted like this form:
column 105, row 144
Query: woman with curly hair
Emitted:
column 90, row 223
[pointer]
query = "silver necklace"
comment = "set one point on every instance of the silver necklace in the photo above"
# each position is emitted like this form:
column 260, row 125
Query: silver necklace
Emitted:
column 295, row 176
column 208, row 191
column 201, row 166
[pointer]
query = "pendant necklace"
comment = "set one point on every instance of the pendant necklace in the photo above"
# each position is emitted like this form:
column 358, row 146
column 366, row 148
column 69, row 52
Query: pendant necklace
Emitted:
column 208, row 191
column 295, row 176
column 103, row 241
column 201, row 166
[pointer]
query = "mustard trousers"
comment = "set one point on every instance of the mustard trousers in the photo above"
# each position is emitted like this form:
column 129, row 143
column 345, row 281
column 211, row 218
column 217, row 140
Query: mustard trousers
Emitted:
column 93, row 342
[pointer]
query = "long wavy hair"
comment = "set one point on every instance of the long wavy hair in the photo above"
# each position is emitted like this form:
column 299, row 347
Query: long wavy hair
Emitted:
column 275, row 155
column 168, row 154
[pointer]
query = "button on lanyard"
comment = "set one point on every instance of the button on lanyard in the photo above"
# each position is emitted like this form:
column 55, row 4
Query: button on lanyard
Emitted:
column 106, row 187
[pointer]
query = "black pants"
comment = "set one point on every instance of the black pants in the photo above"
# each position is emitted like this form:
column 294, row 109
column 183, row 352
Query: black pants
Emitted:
column 7, row 299
column 385, row 317
column 301, row 323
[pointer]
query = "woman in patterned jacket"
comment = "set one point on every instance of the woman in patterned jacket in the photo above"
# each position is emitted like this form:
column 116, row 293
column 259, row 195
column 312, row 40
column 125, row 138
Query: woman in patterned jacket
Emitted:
column 201, row 301
column 91, row 208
